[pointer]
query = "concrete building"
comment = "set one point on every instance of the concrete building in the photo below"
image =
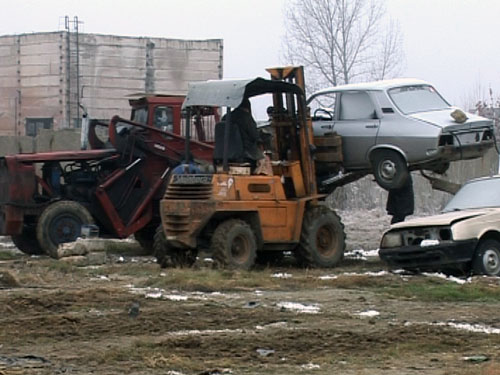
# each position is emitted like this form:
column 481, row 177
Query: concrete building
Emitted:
column 45, row 76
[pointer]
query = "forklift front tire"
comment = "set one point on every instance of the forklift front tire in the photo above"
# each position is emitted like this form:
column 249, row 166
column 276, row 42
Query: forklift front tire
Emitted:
column 234, row 245
column 166, row 254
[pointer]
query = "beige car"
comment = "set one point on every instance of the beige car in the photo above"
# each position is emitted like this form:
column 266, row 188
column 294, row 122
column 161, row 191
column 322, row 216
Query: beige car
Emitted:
column 465, row 236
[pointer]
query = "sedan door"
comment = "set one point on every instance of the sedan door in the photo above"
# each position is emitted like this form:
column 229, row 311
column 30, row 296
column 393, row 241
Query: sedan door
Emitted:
column 358, row 124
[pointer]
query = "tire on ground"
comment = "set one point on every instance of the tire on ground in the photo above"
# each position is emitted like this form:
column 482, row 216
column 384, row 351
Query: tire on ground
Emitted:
column 322, row 241
column 389, row 169
column 487, row 258
column 234, row 245
column 61, row 222
column 166, row 254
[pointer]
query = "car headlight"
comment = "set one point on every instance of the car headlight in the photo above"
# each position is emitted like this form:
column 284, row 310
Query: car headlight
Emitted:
column 391, row 239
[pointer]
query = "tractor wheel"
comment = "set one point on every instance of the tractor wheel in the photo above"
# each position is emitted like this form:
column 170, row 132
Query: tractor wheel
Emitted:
column 322, row 241
column 390, row 169
column 234, row 245
column 27, row 242
column 167, row 254
column 59, row 223
column 487, row 258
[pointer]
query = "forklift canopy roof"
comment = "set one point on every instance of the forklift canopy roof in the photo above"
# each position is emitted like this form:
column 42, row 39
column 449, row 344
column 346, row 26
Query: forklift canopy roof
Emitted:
column 230, row 93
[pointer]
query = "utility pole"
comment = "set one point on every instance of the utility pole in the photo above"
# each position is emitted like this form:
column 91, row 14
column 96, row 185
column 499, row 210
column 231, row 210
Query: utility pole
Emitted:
column 72, row 27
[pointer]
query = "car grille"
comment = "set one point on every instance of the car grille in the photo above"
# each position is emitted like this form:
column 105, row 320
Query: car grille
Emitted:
column 415, row 236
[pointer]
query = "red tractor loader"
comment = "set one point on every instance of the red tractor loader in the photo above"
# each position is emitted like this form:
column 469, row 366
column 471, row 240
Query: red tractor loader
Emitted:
column 46, row 197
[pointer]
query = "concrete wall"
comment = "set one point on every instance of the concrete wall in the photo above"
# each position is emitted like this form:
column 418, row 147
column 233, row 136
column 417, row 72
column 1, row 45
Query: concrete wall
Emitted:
column 31, row 71
column 46, row 140
column 38, row 74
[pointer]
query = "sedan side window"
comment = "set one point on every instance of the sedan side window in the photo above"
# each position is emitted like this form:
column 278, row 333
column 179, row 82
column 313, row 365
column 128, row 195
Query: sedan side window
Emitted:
column 356, row 106
column 323, row 107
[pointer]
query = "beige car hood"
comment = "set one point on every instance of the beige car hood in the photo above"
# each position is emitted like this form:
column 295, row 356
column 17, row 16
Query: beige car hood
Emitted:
column 445, row 218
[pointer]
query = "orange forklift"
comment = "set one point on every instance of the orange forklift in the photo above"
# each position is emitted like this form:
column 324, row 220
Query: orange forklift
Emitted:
column 238, row 216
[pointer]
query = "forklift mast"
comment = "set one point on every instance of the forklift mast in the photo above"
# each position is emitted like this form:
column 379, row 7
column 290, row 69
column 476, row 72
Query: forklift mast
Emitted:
column 305, row 150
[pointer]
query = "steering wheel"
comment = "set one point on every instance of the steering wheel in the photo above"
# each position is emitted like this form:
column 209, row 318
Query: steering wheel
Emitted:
column 319, row 114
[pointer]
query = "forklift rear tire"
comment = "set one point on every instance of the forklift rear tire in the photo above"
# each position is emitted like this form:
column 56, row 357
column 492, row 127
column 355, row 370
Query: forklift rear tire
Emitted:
column 322, row 241
column 27, row 242
column 61, row 222
column 166, row 254
column 234, row 245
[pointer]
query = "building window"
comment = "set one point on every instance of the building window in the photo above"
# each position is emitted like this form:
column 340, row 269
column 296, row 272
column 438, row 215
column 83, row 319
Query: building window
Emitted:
column 33, row 125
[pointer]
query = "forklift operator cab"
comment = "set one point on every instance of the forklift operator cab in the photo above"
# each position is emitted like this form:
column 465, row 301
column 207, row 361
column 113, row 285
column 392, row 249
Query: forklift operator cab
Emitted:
column 239, row 217
column 229, row 149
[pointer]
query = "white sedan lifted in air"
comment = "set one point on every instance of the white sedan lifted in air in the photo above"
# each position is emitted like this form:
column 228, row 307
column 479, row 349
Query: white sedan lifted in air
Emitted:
column 391, row 127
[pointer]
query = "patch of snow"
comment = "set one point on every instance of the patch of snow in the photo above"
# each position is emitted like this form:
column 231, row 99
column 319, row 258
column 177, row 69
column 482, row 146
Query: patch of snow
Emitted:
column 476, row 328
column 299, row 307
column 154, row 295
column 121, row 259
column 173, row 372
column 101, row 277
column 157, row 293
column 361, row 254
column 310, row 366
column 369, row 313
column 281, row 275
column 399, row 272
column 369, row 273
column 328, row 277
column 379, row 273
column 196, row 332
column 96, row 312
column 259, row 292
column 271, row 325
column 449, row 278
column 176, row 297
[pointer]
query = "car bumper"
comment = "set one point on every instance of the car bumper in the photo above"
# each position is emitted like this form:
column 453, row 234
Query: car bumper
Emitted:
column 464, row 152
column 450, row 254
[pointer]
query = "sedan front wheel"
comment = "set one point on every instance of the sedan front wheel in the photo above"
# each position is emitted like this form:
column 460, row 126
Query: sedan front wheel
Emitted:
column 487, row 258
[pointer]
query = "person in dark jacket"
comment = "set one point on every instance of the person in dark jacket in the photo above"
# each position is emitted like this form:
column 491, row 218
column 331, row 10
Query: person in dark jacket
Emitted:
column 401, row 202
column 242, row 116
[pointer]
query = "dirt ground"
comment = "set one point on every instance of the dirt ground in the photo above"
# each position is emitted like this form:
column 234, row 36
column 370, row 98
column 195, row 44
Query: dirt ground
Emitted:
column 131, row 317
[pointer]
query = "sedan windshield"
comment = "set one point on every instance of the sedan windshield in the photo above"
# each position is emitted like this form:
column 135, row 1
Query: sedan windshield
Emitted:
column 476, row 194
column 421, row 98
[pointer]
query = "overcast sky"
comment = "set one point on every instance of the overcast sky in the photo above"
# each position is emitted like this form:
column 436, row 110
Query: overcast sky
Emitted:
column 451, row 43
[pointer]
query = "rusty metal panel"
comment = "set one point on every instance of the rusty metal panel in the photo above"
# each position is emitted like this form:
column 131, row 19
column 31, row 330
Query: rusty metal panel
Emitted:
column 184, row 219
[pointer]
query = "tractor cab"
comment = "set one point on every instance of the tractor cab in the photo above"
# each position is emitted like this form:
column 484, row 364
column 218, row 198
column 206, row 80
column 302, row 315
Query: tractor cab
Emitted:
column 238, row 213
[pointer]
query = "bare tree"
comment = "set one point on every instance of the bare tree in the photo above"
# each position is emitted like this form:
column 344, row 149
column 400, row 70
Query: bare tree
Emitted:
column 342, row 41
